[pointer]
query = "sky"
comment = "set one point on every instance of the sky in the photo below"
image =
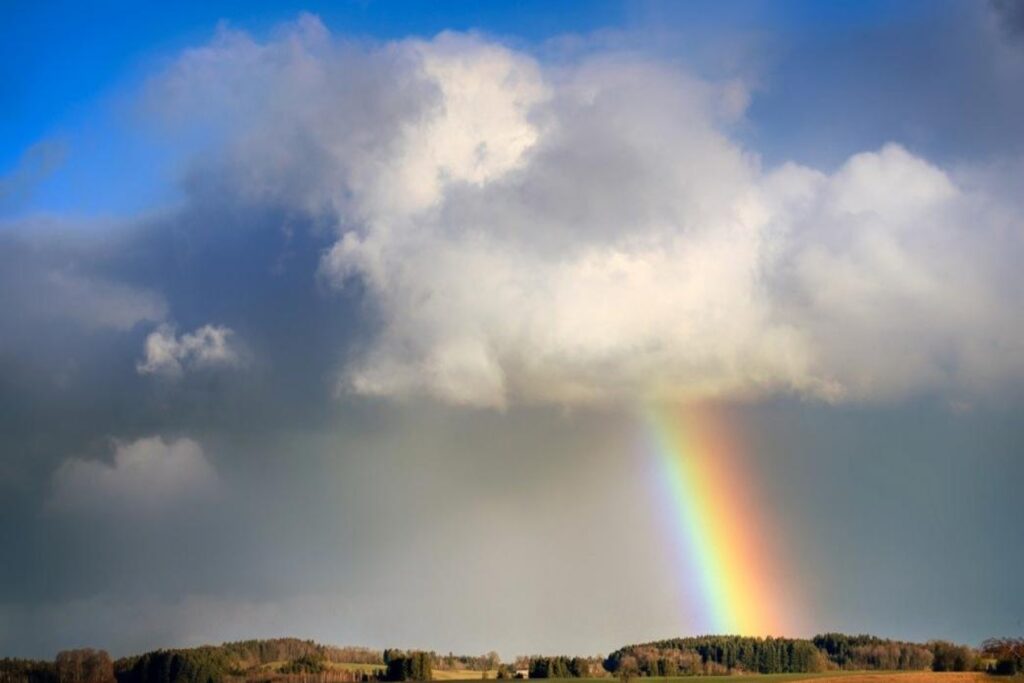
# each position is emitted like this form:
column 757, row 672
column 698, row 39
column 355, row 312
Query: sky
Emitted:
column 528, row 327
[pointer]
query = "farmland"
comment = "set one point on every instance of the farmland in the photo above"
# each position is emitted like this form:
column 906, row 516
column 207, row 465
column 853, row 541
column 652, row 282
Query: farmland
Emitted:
column 822, row 677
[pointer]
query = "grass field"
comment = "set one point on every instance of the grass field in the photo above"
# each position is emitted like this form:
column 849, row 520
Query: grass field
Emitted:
column 349, row 666
column 915, row 677
column 464, row 675
column 342, row 666
column 823, row 677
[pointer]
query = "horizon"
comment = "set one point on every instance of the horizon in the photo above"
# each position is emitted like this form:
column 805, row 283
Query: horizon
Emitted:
column 503, row 658
column 509, row 326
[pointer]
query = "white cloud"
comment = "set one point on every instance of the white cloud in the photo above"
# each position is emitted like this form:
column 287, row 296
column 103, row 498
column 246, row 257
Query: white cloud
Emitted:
column 146, row 475
column 170, row 355
column 591, row 232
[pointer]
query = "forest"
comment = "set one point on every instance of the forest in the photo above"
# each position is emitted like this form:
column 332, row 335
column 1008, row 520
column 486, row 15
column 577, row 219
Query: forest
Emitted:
column 291, row 660
column 830, row 651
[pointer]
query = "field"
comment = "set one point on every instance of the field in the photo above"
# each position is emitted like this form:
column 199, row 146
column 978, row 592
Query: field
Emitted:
column 913, row 677
column 349, row 666
column 823, row 677
column 336, row 666
column 464, row 675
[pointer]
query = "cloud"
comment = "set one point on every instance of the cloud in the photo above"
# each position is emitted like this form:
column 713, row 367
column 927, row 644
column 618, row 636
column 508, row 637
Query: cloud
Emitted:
column 47, row 278
column 1010, row 15
column 99, row 303
column 591, row 231
column 146, row 475
column 158, row 622
column 170, row 355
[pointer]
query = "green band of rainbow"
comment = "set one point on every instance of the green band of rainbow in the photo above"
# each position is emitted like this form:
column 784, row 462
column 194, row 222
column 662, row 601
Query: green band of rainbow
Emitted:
column 715, row 524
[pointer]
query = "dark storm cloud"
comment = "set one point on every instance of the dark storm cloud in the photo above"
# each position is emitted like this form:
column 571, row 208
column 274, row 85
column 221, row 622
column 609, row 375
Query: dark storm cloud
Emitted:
column 69, row 381
column 78, row 301
column 1011, row 16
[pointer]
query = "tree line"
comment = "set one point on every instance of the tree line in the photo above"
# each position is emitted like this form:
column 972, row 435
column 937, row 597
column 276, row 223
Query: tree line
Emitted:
column 291, row 660
column 70, row 666
column 1006, row 655
column 559, row 667
column 829, row 651
column 408, row 666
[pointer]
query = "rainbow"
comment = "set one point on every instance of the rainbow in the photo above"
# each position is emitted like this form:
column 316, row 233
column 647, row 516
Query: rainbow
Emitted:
column 719, row 536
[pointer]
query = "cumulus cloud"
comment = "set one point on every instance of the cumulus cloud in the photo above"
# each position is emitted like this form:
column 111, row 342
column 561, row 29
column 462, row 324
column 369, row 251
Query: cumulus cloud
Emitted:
column 146, row 475
column 171, row 355
column 592, row 232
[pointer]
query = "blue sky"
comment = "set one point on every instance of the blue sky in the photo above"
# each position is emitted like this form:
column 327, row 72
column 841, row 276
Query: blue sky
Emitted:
column 350, row 281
